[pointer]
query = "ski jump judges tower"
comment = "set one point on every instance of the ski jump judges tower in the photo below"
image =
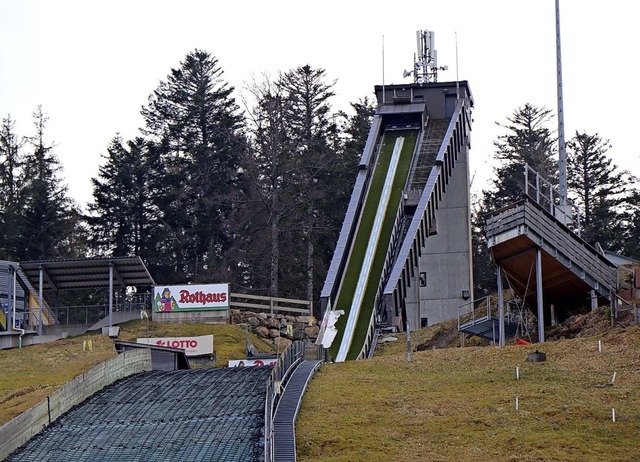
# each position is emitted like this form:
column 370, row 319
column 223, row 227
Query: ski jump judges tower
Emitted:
column 403, row 257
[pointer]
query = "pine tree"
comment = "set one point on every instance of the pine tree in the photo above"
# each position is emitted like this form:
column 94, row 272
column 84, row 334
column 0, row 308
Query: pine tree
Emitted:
column 121, row 212
column 47, row 208
column 309, row 117
column 196, row 125
column 527, row 141
column 632, row 235
column 11, row 184
column 600, row 190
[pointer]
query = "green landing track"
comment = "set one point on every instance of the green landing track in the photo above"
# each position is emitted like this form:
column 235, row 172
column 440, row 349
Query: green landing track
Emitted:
column 358, row 250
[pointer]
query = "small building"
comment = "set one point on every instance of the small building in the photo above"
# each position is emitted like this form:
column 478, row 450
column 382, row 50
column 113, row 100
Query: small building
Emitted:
column 162, row 358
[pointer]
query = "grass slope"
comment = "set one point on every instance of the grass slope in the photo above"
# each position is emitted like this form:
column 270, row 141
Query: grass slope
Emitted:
column 356, row 258
column 458, row 404
column 30, row 374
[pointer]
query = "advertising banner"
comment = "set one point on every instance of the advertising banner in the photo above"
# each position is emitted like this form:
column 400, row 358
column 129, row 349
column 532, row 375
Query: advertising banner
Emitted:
column 252, row 362
column 209, row 297
column 192, row 346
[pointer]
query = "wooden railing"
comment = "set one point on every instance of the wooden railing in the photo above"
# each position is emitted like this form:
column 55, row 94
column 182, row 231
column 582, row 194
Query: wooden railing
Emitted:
column 271, row 304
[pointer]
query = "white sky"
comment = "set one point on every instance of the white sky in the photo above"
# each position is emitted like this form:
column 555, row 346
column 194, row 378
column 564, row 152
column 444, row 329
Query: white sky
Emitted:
column 92, row 64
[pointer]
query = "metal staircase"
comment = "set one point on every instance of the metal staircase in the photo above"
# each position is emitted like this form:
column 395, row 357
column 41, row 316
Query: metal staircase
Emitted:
column 284, row 437
column 476, row 318
column 431, row 143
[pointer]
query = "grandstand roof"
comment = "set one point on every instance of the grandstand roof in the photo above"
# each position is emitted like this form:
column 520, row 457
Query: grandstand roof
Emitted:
column 87, row 273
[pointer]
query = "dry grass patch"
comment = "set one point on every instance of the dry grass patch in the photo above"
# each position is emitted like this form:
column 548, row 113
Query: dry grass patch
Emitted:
column 32, row 373
column 459, row 404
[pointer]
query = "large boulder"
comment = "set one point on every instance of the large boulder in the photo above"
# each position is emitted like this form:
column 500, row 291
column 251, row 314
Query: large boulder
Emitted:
column 273, row 333
column 282, row 343
column 261, row 331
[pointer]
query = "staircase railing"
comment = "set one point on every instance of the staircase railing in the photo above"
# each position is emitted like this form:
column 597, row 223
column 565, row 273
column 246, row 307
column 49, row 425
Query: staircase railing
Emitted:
column 473, row 312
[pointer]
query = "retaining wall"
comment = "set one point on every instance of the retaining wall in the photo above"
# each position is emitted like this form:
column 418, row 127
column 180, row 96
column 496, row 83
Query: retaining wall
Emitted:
column 19, row 430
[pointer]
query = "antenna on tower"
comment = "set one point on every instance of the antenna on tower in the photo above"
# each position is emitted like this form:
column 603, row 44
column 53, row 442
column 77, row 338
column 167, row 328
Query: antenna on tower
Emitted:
column 425, row 63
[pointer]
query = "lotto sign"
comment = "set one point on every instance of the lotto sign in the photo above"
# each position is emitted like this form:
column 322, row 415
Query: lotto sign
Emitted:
column 210, row 297
column 192, row 346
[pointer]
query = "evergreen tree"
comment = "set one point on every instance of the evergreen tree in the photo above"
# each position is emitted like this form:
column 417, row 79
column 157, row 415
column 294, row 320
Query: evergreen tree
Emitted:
column 196, row 125
column 600, row 190
column 484, row 271
column 11, row 184
column 47, row 208
column 349, row 136
column 309, row 117
column 357, row 128
column 632, row 235
column 121, row 212
column 527, row 141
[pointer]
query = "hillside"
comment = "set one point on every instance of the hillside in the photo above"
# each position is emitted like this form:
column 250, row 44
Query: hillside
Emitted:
column 447, row 404
column 459, row 404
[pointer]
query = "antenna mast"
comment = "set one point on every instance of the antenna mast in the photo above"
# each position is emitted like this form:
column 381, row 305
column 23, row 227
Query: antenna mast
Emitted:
column 562, row 161
column 425, row 65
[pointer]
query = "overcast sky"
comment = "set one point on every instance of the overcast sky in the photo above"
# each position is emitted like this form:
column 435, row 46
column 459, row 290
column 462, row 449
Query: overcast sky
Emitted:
column 92, row 64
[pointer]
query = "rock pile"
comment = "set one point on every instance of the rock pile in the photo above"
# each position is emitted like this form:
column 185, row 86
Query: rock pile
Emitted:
column 277, row 329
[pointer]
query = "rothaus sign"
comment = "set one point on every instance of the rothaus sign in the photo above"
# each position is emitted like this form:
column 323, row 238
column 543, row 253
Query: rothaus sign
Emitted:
column 208, row 297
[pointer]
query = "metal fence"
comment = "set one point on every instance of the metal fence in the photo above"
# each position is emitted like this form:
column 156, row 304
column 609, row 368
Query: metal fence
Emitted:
column 90, row 314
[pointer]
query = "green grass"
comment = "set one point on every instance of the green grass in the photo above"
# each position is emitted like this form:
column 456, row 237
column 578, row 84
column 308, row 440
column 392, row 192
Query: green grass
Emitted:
column 356, row 258
column 30, row 374
column 458, row 404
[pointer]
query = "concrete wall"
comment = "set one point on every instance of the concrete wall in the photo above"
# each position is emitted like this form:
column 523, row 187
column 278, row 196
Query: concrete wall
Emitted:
column 12, row 339
column 19, row 430
column 447, row 259
column 185, row 317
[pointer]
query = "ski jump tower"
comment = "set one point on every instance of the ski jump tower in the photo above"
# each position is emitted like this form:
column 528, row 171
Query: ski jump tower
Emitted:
column 403, row 257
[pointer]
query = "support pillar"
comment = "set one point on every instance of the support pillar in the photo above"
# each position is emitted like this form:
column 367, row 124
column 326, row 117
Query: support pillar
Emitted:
column 501, row 334
column 539, row 295
column 40, row 278
column 110, row 293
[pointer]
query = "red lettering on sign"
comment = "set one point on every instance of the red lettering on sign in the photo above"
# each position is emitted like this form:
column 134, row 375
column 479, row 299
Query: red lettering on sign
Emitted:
column 201, row 297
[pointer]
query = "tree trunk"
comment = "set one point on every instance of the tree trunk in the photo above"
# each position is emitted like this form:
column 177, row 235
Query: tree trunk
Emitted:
column 275, row 245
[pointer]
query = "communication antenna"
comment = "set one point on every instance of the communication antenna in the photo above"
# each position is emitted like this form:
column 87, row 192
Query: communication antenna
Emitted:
column 425, row 63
